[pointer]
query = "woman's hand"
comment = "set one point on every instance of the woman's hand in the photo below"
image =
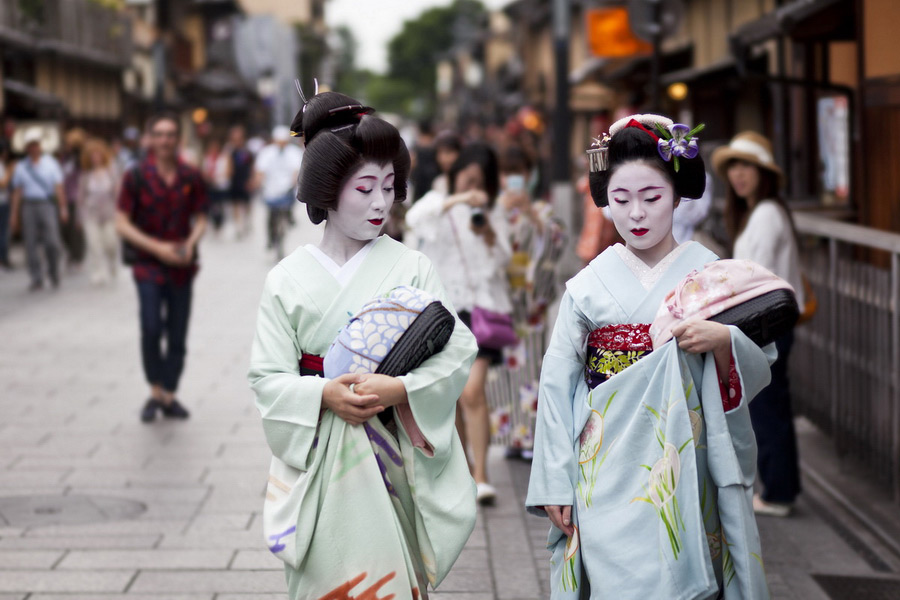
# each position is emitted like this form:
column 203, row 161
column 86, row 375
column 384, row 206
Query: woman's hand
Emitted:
column 561, row 517
column 349, row 404
column 389, row 390
column 697, row 337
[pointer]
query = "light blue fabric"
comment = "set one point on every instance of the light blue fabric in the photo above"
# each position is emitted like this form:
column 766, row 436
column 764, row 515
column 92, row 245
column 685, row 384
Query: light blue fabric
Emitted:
column 38, row 182
column 657, row 474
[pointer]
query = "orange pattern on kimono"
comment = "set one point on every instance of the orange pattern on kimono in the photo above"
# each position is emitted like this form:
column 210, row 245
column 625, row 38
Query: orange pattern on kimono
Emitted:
column 342, row 592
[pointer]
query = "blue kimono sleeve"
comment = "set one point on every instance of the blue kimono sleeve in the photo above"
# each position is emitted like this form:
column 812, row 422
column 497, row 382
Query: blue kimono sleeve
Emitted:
column 554, row 467
column 289, row 403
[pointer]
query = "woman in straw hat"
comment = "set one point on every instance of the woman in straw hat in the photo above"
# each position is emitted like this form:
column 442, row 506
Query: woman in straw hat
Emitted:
column 760, row 223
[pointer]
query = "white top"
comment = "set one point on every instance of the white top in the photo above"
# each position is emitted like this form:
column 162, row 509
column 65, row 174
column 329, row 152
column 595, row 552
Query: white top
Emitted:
column 472, row 272
column 690, row 213
column 37, row 182
column 341, row 273
column 279, row 168
column 769, row 240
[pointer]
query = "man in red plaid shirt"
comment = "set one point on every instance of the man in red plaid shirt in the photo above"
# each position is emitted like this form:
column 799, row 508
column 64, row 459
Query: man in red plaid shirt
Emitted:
column 161, row 217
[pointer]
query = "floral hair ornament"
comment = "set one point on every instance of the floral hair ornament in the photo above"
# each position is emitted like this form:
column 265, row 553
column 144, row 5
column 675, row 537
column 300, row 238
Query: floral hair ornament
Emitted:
column 598, row 154
column 678, row 141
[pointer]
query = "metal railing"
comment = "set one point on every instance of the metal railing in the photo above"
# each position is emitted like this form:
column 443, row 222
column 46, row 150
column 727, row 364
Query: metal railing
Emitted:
column 845, row 365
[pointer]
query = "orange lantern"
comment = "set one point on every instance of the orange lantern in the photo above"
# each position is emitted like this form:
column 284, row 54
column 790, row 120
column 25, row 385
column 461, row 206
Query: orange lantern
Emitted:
column 609, row 34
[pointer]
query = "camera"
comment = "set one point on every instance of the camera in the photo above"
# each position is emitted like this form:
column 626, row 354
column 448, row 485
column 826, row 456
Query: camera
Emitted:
column 478, row 218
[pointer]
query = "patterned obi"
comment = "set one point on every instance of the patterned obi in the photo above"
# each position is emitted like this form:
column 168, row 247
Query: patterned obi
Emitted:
column 613, row 348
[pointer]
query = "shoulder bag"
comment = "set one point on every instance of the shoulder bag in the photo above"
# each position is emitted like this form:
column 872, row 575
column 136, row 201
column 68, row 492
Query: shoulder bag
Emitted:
column 491, row 329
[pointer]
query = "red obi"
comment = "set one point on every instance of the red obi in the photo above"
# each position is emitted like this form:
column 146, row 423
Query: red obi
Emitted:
column 613, row 348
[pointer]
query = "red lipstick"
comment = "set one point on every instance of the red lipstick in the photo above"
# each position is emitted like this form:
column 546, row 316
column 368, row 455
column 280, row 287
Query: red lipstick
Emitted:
column 639, row 231
column 376, row 222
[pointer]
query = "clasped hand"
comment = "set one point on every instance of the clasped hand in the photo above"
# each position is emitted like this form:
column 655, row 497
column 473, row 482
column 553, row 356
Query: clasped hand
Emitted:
column 370, row 394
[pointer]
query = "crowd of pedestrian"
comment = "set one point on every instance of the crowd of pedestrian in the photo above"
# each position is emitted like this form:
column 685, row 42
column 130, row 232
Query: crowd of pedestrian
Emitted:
column 475, row 203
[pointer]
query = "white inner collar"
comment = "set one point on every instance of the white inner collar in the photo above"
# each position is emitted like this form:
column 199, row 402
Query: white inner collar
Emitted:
column 341, row 273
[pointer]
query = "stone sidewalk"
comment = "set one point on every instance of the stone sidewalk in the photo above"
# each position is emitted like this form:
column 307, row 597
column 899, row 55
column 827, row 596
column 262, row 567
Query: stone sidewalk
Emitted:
column 95, row 505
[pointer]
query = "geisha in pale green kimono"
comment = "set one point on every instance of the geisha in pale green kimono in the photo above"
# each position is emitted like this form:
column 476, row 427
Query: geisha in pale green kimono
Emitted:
column 644, row 457
column 358, row 504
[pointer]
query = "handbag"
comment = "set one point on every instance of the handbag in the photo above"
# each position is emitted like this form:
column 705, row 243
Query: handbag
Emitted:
column 732, row 292
column 810, row 304
column 492, row 329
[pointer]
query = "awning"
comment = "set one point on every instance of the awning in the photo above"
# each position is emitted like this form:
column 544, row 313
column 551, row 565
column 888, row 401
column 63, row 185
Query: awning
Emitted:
column 804, row 20
column 39, row 97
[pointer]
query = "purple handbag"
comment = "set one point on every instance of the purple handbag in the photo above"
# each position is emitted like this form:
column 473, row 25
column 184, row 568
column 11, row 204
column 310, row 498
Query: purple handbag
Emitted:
column 493, row 329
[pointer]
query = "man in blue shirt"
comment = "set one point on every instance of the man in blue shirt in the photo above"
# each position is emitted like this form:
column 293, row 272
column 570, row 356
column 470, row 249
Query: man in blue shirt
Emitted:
column 36, row 193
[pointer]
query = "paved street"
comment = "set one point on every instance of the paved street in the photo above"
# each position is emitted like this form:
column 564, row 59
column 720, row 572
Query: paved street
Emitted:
column 96, row 505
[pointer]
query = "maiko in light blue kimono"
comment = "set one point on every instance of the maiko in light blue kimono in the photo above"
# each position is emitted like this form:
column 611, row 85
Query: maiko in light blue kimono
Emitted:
column 656, row 458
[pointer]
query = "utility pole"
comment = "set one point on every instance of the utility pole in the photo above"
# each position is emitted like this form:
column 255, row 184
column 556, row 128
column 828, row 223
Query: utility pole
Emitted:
column 656, row 40
column 561, row 191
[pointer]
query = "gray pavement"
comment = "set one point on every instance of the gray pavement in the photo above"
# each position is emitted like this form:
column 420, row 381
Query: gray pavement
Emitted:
column 95, row 505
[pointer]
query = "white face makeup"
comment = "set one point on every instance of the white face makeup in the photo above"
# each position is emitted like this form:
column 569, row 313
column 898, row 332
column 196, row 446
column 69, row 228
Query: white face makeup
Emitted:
column 641, row 203
column 364, row 203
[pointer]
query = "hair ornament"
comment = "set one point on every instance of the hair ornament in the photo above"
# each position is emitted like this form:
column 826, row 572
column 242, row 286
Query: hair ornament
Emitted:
column 598, row 154
column 648, row 121
column 678, row 141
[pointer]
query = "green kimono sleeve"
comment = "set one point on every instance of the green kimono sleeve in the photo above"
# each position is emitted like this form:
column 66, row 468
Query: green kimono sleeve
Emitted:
column 290, row 404
column 434, row 387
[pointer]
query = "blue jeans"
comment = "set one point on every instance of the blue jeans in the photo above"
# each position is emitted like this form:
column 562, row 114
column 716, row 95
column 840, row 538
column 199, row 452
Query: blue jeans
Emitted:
column 164, row 312
column 773, row 423
column 4, row 233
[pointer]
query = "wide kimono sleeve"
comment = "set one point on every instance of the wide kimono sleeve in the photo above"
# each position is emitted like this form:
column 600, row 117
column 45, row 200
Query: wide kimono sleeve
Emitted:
column 433, row 388
column 290, row 404
column 554, row 466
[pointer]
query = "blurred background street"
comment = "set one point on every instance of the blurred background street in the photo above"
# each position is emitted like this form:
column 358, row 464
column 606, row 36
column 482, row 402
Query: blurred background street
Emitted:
column 95, row 504
column 100, row 506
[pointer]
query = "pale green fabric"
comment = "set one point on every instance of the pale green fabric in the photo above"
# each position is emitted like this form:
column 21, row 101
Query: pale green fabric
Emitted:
column 324, row 480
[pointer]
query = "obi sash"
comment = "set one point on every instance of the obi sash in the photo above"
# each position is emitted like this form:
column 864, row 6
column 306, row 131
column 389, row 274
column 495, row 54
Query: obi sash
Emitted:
column 613, row 348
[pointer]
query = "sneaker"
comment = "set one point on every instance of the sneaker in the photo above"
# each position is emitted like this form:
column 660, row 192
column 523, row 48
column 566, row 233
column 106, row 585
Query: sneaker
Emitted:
column 770, row 509
column 485, row 494
column 36, row 286
column 148, row 413
column 174, row 410
column 527, row 454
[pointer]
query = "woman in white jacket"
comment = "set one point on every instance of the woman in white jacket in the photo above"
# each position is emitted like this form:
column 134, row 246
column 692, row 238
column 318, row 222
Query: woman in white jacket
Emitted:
column 464, row 233
column 760, row 224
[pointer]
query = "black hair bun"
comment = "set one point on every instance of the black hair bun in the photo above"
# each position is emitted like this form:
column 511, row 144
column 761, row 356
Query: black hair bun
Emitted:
column 633, row 144
column 340, row 138
column 333, row 111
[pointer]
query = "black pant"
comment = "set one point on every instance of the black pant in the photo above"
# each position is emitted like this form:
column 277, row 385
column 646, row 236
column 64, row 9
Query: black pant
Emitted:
column 164, row 311
column 773, row 423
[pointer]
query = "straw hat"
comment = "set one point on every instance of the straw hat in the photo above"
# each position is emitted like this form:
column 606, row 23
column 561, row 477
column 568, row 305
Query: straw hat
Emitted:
column 748, row 146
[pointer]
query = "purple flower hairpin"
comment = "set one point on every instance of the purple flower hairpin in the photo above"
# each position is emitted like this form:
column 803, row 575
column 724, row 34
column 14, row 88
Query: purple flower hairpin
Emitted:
column 678, row 141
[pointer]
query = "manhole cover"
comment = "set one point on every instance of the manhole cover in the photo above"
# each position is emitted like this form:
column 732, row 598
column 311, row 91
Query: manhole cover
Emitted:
column 40, row 511
column 859, row 588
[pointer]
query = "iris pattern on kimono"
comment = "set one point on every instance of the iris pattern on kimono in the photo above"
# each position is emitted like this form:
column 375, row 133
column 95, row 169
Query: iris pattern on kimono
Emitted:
column 660, row 480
